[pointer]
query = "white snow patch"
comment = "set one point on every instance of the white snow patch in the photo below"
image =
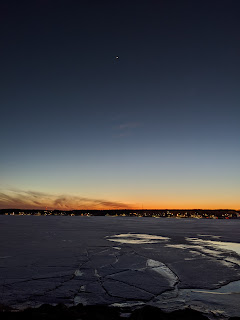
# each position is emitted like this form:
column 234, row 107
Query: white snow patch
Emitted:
column 96, row 273
column 136, row 238
column 78, row 273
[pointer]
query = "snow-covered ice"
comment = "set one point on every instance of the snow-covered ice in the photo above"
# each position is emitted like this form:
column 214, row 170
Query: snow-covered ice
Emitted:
column 169, row 263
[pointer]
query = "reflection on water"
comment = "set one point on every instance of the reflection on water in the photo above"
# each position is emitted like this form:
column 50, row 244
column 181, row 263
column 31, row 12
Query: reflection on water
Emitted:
column 194, row 249
column 232, row 246
column 136, row 238
column 230, row 288
column 209, row 236
column 217, row 249
column 216, row 304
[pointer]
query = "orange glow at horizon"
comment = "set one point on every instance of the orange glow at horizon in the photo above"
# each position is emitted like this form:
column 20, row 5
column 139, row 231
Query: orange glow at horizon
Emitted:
column 112, row 206
column 21, row 199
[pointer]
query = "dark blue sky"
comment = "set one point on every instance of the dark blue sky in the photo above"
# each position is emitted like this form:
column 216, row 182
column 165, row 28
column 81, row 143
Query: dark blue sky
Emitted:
column 146, row 129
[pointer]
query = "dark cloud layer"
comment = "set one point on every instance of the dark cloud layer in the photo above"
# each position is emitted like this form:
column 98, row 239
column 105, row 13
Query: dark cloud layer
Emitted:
column 39, row 200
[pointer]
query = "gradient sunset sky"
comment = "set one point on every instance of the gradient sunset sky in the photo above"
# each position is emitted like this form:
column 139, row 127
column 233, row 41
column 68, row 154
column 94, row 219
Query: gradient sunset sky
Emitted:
column 157, row 127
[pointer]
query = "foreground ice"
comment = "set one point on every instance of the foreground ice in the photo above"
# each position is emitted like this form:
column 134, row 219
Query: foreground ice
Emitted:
column 170, row 263
column 164, row 271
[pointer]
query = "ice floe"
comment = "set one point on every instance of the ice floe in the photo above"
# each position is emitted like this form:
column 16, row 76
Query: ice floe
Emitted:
column 163, row 270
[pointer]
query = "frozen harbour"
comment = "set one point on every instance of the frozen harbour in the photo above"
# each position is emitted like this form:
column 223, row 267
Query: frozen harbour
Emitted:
column 121, row 261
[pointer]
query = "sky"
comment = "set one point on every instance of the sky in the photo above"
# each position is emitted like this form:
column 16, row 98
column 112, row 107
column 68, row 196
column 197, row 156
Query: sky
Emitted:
column 157, row 127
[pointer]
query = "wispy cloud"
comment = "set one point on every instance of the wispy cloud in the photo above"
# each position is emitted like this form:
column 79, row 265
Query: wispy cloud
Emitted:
column 38, row 200
column 128, row 125
column 126, row 128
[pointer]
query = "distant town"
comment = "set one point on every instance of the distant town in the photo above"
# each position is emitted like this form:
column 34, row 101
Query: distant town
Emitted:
column 142, row 213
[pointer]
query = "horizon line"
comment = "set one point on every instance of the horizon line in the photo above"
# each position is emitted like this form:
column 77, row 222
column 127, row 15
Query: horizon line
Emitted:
column 126, row 209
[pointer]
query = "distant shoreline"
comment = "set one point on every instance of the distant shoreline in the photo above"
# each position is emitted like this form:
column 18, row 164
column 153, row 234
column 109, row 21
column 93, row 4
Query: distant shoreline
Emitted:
column 155, row 213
